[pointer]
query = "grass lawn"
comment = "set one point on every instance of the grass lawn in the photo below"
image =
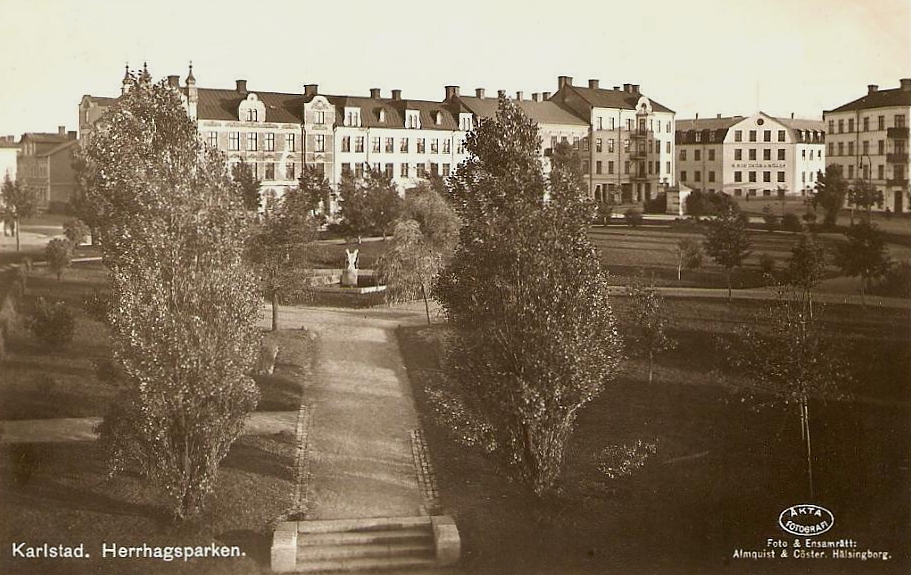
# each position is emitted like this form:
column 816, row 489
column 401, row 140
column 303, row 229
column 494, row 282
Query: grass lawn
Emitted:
column 63, row 496
column 331, row 253
column 723, row 473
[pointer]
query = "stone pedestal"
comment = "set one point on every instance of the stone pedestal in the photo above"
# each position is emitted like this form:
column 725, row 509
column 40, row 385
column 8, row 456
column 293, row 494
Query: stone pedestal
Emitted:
column 446, row 539
column 349, row 278
column 284, row 548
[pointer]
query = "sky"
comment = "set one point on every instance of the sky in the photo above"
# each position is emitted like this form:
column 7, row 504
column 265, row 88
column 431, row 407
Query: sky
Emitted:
column 695, row 56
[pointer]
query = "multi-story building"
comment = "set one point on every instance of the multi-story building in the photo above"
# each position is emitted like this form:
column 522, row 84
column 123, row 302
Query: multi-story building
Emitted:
column 9, row 150
column 45, row 163
column 868, row 138
column 630, row 145
column 758, row 155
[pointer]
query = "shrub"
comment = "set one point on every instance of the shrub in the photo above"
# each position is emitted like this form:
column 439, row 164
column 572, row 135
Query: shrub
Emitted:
column 767, row 263
column 791, row 222
column 770, row 219
column 59, row 254
column 76, row 231
column 53, row 324
column 97, row 305
column 633, row 217
column 896, row 282
column 656, row 205
column 622, row 460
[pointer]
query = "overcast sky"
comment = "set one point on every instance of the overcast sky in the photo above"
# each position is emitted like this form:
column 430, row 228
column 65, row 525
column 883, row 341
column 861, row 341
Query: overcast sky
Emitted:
column 694, row 56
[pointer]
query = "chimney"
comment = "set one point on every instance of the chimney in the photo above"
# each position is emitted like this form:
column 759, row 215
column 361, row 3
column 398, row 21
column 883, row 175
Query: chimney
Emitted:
column 242, row 87
column 635, row 88
column 792, row 115
column 479, row 92
column 174, row 81
column 452, row 92
column 501, row 93
column 905, row 84
column 718, row 116
column 626, row 87
column 593, row 84
column 545, row 96
column 311, row 89
column 697, row 115
column 61, row 130
column 871, row 88
column 535, row 96
column 616, row 88
column 518, row 96
column 564, row 81
column 71, row 134
column 396, row 94
column 375, row 93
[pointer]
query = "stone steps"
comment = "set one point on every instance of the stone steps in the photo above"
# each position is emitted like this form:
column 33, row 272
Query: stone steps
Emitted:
column 366, row 537
column 374, row 564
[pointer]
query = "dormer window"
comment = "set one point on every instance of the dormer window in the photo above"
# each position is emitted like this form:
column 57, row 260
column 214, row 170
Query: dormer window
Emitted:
column 252, row 114
column 352, row 117
column 381, row 115
column 438, row 117
column 465, row 120
column 412, row 119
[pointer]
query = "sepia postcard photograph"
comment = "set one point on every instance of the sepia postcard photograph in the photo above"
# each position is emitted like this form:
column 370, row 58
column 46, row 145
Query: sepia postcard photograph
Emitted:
column 455, row 287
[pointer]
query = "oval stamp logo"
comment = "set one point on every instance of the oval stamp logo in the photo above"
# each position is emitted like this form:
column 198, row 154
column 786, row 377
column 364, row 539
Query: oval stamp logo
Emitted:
column 806, row 520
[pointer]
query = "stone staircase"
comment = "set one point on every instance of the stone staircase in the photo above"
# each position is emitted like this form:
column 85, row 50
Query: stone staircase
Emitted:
column 376, row 544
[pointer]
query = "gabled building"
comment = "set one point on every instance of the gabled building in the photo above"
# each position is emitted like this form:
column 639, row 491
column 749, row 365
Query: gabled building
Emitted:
column 868, row 138
column 758, row 155
column 630, row 147
column 45, row 163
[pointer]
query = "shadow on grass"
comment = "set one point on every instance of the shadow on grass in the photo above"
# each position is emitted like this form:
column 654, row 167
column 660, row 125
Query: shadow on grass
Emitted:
column 278, row 392
column 248, row 457
column 257, row 546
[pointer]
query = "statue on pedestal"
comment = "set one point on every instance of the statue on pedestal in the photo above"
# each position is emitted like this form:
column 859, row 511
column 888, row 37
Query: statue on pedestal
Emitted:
column 349, row 275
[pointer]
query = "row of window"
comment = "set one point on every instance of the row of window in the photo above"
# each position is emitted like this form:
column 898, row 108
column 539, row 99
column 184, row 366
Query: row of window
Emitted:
column 898, row 148
column 898, row 121
column 898, row 172
column 781, row 136
column 751, row 154
column 653, row 167
column 766, row 176
column 387, row 145
column 653, row 146
column 405, row 170
column 652, row 126
column 269, row 170
column 253, row 140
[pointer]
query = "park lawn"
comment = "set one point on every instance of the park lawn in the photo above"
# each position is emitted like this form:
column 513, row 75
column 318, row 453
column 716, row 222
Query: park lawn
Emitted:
column 65, row 497
column 331, row 253
column 724, row 471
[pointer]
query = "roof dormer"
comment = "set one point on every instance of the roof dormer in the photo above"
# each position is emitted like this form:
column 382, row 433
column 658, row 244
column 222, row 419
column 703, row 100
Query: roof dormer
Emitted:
column 251, row 109
column 413, row 119
column 465, row 121
column 352, row 116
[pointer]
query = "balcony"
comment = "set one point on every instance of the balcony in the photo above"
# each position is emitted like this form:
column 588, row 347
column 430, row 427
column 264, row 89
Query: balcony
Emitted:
column 903, row 182
column 897, row 158
column 638, row 154
column 642, row 134
column 897, row 133
column 639, row 177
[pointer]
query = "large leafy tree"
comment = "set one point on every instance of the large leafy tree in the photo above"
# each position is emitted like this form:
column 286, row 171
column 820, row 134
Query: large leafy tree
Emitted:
column 247, row 185
column 424, row 239
column 354, row 206
column 185, row 308
column 316, row 192
column 535, row 336
column 383, row 201
column 864, row 194
column 863, row 254
column 19, row 203
column 728, row 243
column 831, row 191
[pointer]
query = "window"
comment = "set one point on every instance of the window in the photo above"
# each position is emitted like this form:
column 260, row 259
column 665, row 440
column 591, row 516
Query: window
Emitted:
column 831, row 126
column 346, row 143
column 767, row 176
column 683, row 176
column 352, row 118
column 880, row 123
column 375, row 144
column 252, row 114
column 781, row 136
column 290, row 142
column 575, row 143
column 841, row 126
column 610, row 145
column 850, row 125
column 767, row 154
column 752, row 135
column 389, row 171
column 738, row 153
column 667, row 146
column 682, row 154
column 697, row 176
column 598, row 145
column 598, row 167
column 434, row 146
column 447, row 146
column 390, row 145
column 752, row 153
column 213, row 140
column 738, row 135
column 626, row 167
column 881, row 147
column 466, row 122
column 377, row 166
column 270, row 170
column 841, row 148
column 899, row 121
column 234, row 141
column 359, row 144
column 781, row 176
column 403, row 170
column 738, row 176
column 610, row 167
column 359, row 170
column 851, row 171
column 866, row 123
column 438, row 117
column 781, row 154
column 752, row 176
column 711, row 175
column 553, row 142
column 289, row 171
column 850, row 148
column 668, row 169
column 767, row 135
column 421, row 170
column 403, row 147
column 445, row 169
column 412, row 119
column 625, row 145
column 461, row 147
column 269, row 141
column 252, row 141
column 421, row 145
column 699, row 136
column 600, row 123
column 866, row 147
column 711, row 155
column 697, row 155
column 434, row 169
column 584, row 144
column 320, row 144
column 880, row 173
column 831, row 149
column 319, row 117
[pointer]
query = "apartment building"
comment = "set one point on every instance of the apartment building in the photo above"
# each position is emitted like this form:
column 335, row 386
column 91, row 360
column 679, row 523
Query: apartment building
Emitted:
column 630, row 143
column 45, row 163
column 9, row 152
column 868, row 138
column 758, row 155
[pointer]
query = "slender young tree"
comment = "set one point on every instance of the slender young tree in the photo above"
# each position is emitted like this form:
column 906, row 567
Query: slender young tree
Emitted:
column 646, row 326
column 689, row 255
column 19, row 203
column 806, row 267
column 863, row 254
column 728, row 243
column 864, row 194
column 59, row 256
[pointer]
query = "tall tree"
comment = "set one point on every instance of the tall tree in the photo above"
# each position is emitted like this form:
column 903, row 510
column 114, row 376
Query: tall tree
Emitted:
column 383, row 201
column 806, row 267
column 315, row 191
column 647, row 321
column 689, row 255
column 19, row 203
column 864, row 194
column 728, row 243
column 247, row 185
column 354, row 206
column 831, row 190
column 280, row 246
column 536, row 339
column 185, row 308
column 863, row 254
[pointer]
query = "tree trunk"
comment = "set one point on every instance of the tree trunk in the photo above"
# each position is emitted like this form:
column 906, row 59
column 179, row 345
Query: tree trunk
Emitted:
column 679, row 270
column 651, row 363
column 863, row 285
column 16, row 223
column 426, row 303
column 806, row 423
column 275, row 311
column 728, row 276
